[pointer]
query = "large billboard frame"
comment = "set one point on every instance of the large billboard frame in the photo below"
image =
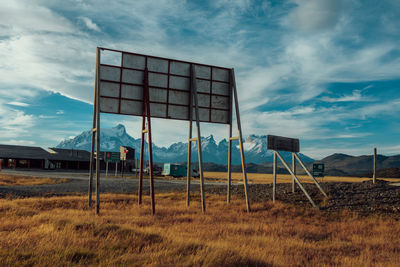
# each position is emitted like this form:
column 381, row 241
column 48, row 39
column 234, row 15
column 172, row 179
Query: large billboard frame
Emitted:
column 223, row 115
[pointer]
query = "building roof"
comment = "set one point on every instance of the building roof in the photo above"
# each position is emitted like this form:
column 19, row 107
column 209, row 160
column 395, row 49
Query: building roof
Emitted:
column 23, row 152
column 69, row 154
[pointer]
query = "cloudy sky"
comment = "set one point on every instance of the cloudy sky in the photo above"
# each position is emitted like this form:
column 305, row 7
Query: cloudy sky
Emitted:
column 325, row 71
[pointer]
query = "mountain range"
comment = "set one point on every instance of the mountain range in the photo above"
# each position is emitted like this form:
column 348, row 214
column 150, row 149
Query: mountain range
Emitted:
column 111, row 139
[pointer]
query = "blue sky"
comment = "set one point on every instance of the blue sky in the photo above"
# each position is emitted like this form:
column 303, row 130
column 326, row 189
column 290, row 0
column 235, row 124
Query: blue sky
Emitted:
column 325, row 71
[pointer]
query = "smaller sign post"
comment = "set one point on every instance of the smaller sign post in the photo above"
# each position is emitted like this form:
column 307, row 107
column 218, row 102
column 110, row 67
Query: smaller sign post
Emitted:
column 112, row 157
column 318, row 170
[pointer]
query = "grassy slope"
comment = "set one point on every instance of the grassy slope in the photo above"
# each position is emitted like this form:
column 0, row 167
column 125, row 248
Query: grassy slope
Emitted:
column 51, row 231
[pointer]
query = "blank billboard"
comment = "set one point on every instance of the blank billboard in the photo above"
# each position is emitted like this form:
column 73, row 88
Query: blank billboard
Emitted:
column 121, row 86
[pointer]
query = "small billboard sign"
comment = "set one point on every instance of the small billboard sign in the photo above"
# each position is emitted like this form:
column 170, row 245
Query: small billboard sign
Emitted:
column 318, row 170
column 283, row 143
column 112, row 157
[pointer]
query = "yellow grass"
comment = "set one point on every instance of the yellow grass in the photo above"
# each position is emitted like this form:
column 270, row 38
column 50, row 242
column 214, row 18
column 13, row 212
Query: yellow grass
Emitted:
column 286, row 178
column 6, row 179
column 63, row 231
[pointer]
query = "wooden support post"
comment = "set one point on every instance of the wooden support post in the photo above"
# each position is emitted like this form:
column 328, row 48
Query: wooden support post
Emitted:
column 294, row 171
column 374, row 167
column 94, row 126
column 228, row 199
column 228, row 191
column 274, row 171
column 116, row 168
column 141, row 159
column 98, row 153
column 189, row 158
column 146, row 117
column 106, row 168
column 297, row 180
column 200, row 157
column 239, row 126
column 310, row 175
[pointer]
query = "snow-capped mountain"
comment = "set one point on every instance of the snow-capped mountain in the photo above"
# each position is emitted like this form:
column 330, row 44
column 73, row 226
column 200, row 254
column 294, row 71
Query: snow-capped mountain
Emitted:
column 111, row 139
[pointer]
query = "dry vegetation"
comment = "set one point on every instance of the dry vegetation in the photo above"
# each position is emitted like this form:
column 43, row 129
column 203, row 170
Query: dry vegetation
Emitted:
column 62, row 230
column 7, row 179
column 265, row 178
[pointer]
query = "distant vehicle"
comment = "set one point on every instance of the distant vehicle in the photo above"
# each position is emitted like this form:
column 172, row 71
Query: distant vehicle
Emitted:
column 177, row 170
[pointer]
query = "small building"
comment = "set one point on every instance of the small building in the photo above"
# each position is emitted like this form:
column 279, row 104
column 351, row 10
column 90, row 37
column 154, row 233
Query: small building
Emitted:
column 75, row 159
column 14, row 156
column 175, row 170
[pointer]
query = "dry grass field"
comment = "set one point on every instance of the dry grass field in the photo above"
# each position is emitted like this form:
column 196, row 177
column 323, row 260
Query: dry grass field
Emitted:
column 7, row 179
column 63, row 231
column 265, row 178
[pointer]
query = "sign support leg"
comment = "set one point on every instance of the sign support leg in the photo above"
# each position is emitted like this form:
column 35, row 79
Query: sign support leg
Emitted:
column 294, row 171
column 189, row 158
column 194, row 86
column 98, row 153
column 94, row 129
column 228, row 199
column 297, row 180
column 374, row 168
column 146, row 117
column 239, row 126
column 311, row 176
column 274, row 169
column 141, row 162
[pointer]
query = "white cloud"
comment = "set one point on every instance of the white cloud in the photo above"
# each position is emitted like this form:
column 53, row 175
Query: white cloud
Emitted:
column 19, row 142
column 19, row 104
column 354, row 97
column 25, row 16
column 15, row 123
column 90, row 24
column 315, row 15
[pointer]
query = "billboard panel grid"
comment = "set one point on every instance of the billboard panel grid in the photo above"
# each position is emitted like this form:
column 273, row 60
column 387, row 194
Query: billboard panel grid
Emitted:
column 121, row 88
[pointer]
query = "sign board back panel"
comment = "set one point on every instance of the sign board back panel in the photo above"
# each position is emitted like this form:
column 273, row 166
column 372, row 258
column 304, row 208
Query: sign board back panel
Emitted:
column 121, row 86
column 283, row 143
